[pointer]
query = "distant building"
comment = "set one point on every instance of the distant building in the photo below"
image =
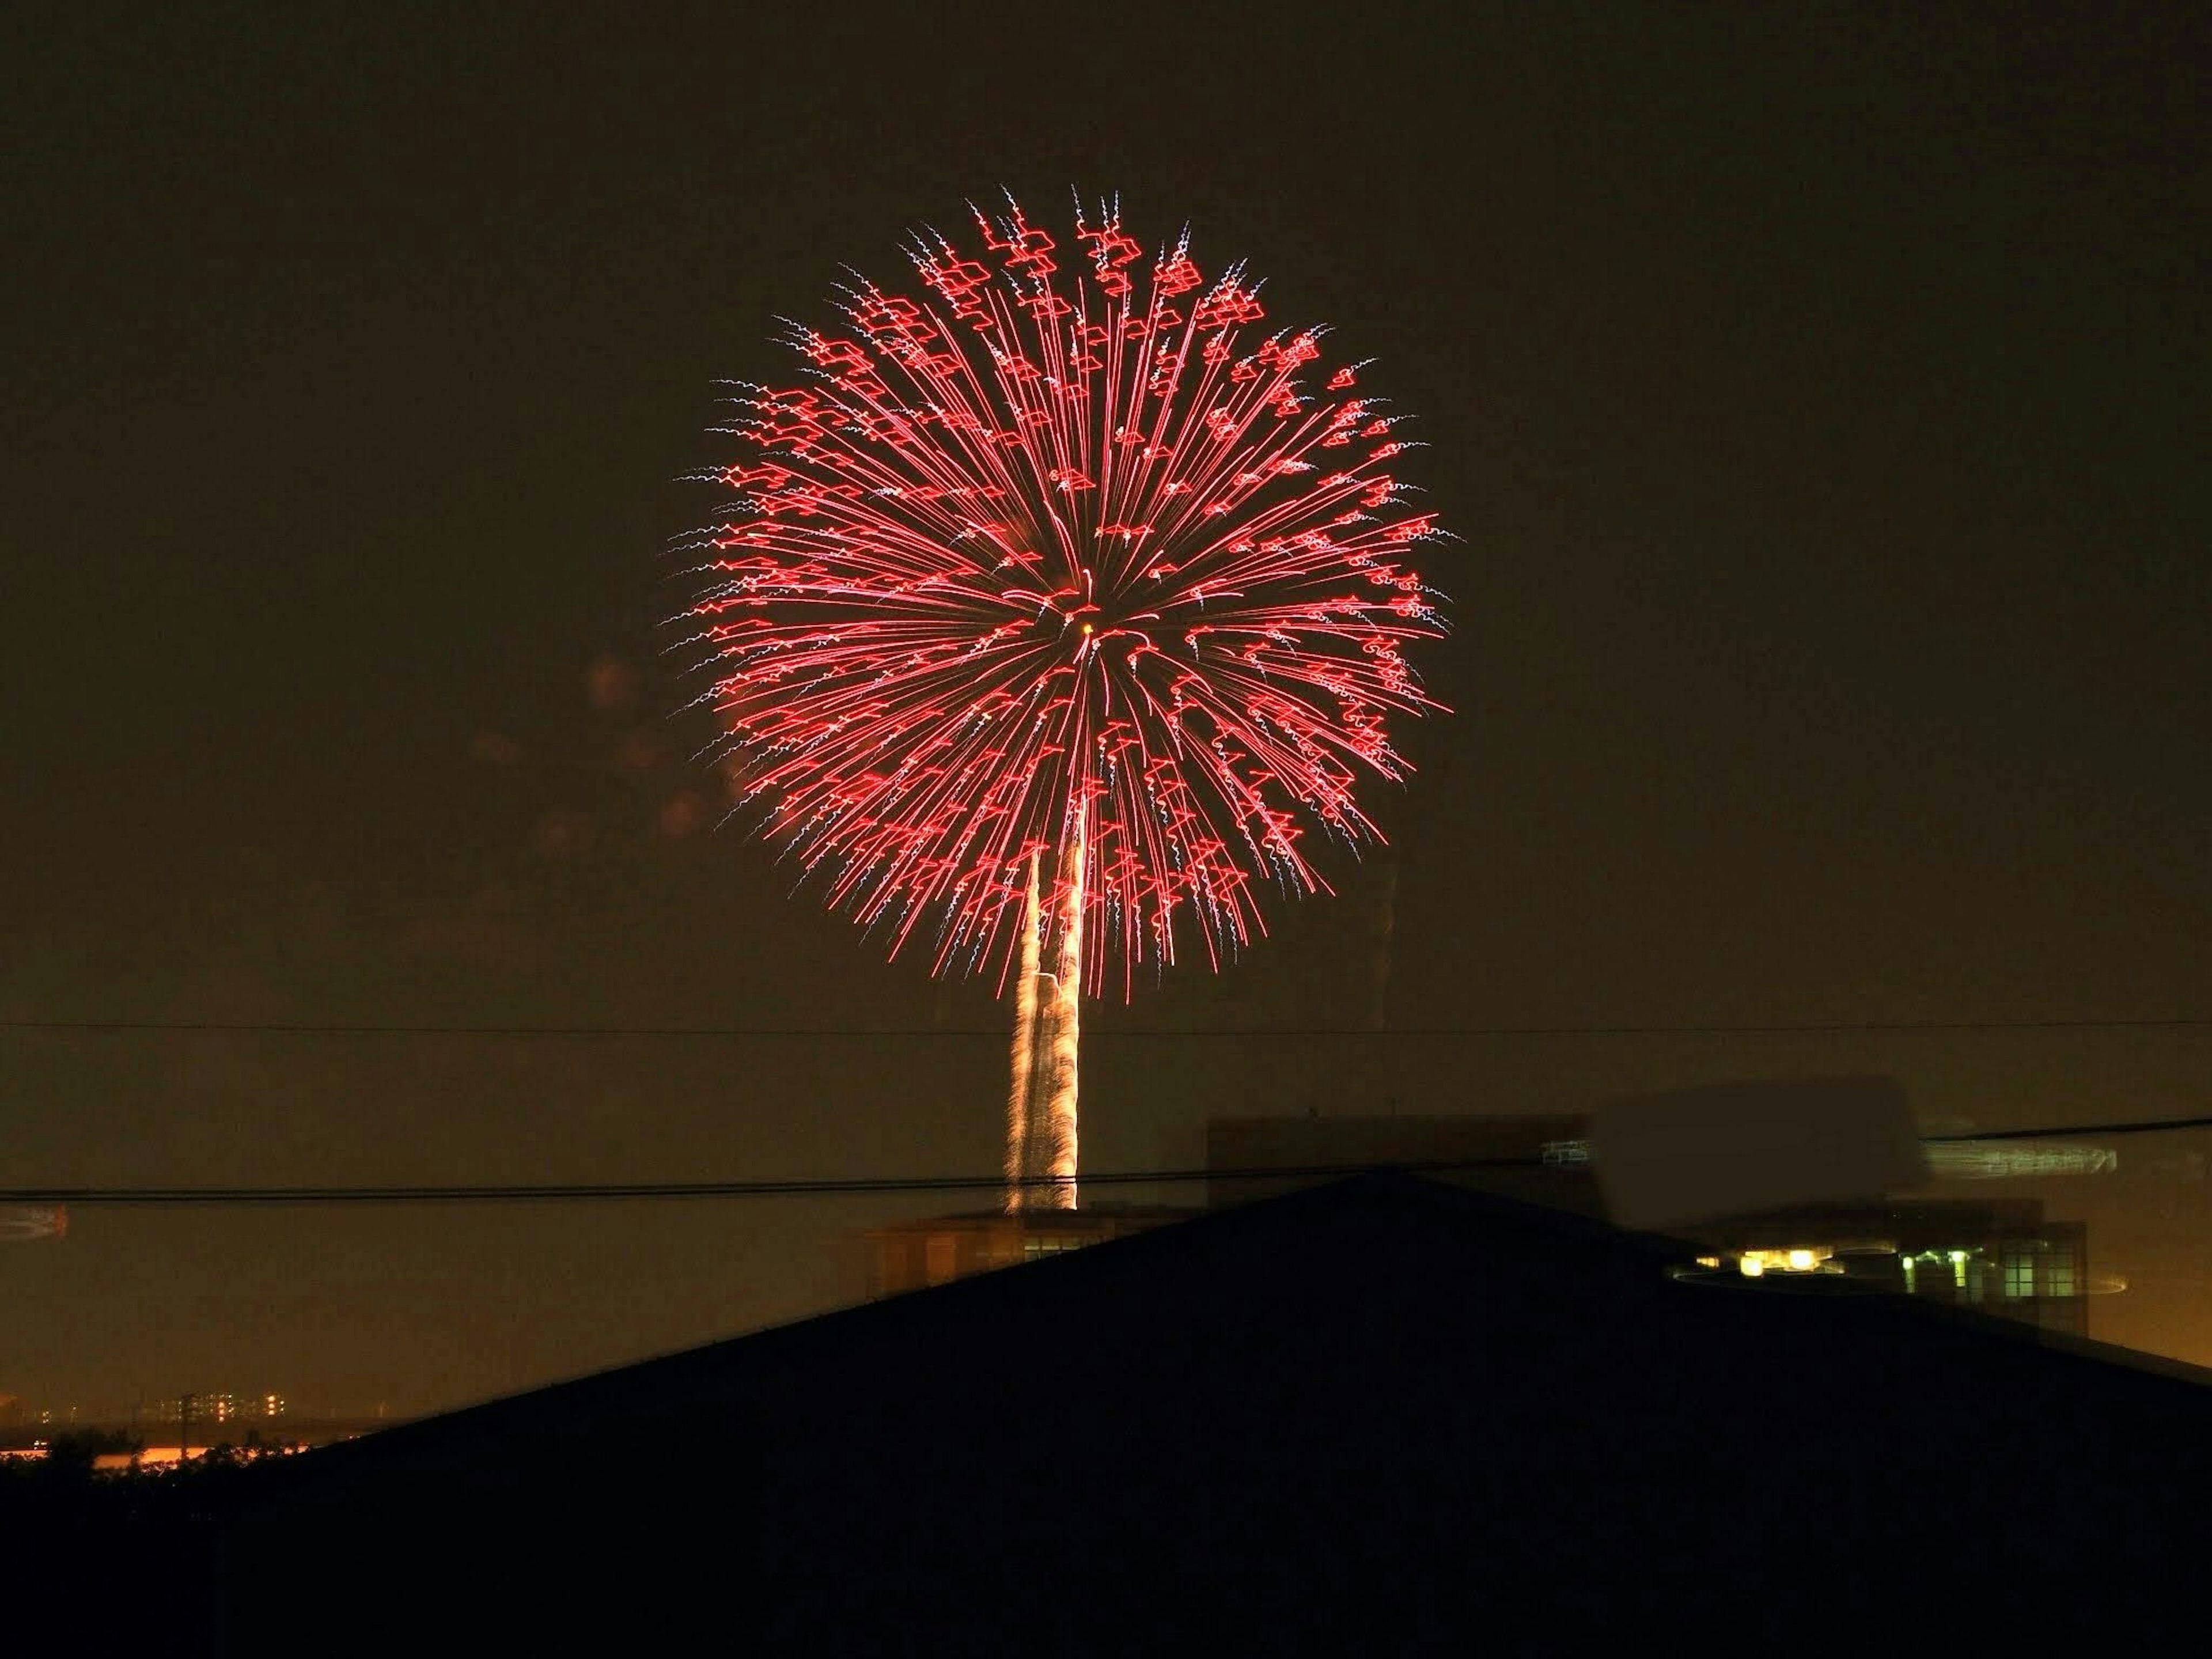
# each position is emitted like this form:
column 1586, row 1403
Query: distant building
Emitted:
column 1540, row 1159
column 1536, row 1159
column 913, row 1255
column 1384, row 1416
column 2002, row 1257
column 201, row 1420
column 216, row 1409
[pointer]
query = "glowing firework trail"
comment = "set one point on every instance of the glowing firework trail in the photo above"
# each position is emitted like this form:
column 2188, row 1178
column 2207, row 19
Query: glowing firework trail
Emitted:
column 1053, row 607
column 1019, row 1113
column 1041, row 1122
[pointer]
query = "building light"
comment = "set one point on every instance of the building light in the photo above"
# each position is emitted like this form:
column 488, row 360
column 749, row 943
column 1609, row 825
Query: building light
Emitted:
column 1801, row 1259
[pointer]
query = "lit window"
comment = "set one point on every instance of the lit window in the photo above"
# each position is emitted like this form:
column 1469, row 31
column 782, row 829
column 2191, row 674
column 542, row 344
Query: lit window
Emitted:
column 2019, row 1275
column 2064, row 1278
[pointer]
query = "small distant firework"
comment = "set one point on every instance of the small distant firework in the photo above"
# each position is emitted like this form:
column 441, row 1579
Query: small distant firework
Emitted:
column 19, row 1222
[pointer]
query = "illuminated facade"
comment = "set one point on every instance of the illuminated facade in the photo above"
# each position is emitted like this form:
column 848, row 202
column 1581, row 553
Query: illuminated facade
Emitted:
column 215, row 1412
column 2011, row 1160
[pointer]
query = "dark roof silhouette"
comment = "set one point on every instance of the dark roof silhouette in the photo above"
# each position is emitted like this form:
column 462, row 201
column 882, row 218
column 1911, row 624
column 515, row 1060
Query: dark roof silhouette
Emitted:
column 1381, row 1416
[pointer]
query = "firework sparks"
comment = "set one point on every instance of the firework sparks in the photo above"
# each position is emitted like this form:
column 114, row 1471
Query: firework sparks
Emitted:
column 1020, row 1106
column 1053, row 608
column 1066, row 547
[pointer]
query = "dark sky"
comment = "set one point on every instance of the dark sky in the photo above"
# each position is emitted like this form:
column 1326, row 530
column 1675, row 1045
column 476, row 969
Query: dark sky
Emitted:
column 1818, row 395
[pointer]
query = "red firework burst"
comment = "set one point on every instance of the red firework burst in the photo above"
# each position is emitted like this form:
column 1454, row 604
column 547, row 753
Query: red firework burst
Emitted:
column 1065, row 552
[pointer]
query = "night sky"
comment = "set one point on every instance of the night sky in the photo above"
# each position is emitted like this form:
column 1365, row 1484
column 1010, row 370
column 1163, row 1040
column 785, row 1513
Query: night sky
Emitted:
column 1818, row 395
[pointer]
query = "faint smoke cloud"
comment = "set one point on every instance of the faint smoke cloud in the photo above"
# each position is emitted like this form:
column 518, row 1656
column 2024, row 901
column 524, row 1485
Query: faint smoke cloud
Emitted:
column 562, row 833
column 495, row 749
column 682, row 814
column 612, row 683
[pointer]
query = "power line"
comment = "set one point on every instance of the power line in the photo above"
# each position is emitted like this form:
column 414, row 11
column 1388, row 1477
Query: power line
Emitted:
column 573, row 1191
column 655, row 1190
column 268, row 1028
